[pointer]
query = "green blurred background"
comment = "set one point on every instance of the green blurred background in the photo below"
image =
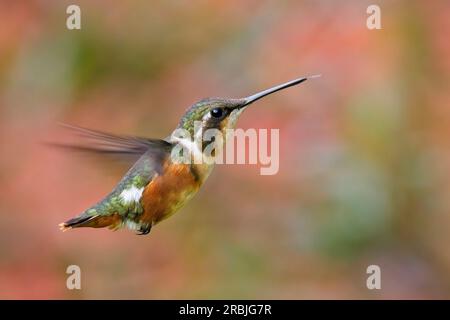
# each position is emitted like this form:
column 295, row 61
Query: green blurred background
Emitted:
column 364, row 167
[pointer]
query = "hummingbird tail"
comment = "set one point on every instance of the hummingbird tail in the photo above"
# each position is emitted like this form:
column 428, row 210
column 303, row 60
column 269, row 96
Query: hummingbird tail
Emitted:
column 75, row 223
column 97, row 221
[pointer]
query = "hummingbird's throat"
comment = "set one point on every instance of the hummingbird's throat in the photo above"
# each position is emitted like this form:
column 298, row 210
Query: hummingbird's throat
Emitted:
column 203, row 146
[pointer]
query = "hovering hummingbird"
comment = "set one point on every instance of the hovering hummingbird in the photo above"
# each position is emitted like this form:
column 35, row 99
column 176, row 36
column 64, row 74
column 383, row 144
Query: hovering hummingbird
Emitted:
column 156, row 186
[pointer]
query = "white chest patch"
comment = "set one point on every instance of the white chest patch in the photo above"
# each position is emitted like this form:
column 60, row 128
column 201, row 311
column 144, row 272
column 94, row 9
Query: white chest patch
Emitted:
column 131, row 195
column 191, row 146
column 131, row 225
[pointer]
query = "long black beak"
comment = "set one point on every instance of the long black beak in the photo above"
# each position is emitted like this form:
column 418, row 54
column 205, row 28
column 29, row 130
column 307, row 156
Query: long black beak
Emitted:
column 279, row 87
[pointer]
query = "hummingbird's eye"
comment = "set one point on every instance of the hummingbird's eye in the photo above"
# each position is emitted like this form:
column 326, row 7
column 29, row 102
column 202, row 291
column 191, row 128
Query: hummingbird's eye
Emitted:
column 217, row 113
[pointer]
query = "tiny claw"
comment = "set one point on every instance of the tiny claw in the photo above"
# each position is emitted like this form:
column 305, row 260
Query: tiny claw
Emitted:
column 144, row 230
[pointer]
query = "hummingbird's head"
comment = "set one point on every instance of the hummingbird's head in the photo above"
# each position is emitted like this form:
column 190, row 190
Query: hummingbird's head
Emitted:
column 213, row 113
column 221, row 114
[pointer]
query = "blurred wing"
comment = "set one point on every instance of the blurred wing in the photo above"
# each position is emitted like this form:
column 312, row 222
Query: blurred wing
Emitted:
column 109, row 144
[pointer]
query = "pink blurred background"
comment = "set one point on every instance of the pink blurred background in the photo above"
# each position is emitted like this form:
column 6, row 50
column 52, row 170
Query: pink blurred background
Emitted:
column 364, row 167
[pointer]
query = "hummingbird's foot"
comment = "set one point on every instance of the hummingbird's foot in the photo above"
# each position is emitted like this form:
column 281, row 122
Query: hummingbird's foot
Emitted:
column 144, row 230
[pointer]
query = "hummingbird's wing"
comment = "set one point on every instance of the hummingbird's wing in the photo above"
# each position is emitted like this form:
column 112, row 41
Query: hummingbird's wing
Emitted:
column 119, row 146
column 123, row 205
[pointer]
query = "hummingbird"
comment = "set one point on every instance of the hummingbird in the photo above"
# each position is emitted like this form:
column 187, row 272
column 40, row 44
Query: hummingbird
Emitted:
column 157, row 186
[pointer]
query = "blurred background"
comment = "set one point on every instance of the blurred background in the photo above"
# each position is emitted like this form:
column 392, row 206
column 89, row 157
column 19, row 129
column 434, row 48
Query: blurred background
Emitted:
column 364, row 167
